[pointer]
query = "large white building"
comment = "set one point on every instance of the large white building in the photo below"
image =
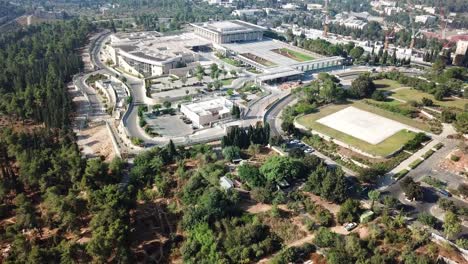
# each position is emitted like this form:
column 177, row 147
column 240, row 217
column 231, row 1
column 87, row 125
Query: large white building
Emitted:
column 350, row 20
column 220, row 2
column 221, row 32
column 148, row 54
column 246, row 12
column 425, row 19
column 204, row 113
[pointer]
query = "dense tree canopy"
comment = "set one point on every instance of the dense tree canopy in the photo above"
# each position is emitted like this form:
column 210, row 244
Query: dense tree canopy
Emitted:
column 35, row 63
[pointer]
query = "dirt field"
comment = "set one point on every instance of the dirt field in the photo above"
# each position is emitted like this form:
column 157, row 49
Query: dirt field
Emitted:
column 154, row 226
column 455, row 166
column 95, row 141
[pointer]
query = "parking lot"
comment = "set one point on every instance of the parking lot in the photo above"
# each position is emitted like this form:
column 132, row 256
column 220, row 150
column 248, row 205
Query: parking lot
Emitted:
column 297, row 144
column 168, row 125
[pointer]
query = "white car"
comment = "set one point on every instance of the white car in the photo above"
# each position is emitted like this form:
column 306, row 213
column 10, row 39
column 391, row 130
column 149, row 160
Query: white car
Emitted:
column 349, row 226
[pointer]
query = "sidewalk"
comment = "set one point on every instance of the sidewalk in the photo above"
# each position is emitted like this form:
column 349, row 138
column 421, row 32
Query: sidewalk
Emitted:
column 405, row 164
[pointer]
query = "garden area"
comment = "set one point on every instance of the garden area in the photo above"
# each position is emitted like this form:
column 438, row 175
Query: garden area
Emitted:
column 258, row 59
column 409, row 94
column 292, row 54
column 386, row 84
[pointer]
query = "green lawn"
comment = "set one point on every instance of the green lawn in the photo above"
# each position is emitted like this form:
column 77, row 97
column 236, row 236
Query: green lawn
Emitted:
column 386, row 84
column 384, row 148
column 390, row 101
column 295, row 55
column 416, row 95
column 227, row 82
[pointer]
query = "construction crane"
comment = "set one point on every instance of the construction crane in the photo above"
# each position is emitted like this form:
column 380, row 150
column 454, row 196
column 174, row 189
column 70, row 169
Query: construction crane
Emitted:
column 443, row 22
column 327, row 20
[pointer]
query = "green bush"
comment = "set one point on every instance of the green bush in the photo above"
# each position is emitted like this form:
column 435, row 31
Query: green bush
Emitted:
column 137, row 141
column 416, row 142
column 434, row 182
column 401, row 174
column 325, row 238
column 415, row 163
column 463, row 243
column 427, row 219
column 428, row 154
column 398, row 109
column 455, row 158
column 439, row 145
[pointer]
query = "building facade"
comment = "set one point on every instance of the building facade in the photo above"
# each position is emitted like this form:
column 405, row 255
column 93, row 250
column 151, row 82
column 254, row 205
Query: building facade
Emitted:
column 204, row 113
column 155, row 55
column 221, row 32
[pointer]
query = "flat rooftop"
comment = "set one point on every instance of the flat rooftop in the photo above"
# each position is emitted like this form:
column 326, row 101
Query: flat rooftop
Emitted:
column 208, row 107
column 161, row 48
column 230, row 26
column 363, row 125
column 264, row 49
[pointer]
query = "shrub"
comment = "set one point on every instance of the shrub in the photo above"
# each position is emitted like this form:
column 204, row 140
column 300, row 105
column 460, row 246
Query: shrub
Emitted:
column 415, row 143
column 427, row 102
column 325, row 238
column 137, row 141
column 455, row 158
column 401, row 174
column 439, row 145
column 324, row 218
column 427, row 219
column 415, row 163
column 463, row 243
column 428, row 154
column 379, row 95
column 448, row 116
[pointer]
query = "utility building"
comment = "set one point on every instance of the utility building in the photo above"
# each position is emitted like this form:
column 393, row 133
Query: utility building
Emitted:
column 204, row 113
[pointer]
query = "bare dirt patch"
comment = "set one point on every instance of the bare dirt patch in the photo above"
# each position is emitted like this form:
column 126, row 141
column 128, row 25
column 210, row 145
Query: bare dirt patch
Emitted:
column 95, row 141
column 284, row 226
column 333, row 208
column 452, row 165
column 26, row 126
column 154, row 225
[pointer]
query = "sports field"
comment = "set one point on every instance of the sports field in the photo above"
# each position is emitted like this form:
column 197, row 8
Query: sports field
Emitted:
column 295, row 55
column 387, row 144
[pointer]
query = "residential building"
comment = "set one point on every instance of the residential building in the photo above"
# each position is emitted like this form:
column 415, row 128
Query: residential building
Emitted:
column 246, row 12
column 226, row 183
column 425, row 19
column 220, row 2
column 311, row 7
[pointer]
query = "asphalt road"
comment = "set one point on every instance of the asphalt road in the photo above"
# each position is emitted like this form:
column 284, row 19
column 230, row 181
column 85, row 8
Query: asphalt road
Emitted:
column 273, row 114
column 429, row 168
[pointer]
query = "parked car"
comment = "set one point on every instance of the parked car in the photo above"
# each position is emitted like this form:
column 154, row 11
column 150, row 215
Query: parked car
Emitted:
column 349, row 226
column 444, row 193
column 308, row 150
